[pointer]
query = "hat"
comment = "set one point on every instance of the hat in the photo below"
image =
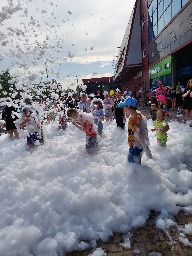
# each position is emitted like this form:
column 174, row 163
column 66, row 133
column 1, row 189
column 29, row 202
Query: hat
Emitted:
column 28, row 101
column 129, row 101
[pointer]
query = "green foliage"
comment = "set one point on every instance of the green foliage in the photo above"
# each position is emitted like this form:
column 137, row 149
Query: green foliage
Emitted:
column 79, row 89
column 6, row 86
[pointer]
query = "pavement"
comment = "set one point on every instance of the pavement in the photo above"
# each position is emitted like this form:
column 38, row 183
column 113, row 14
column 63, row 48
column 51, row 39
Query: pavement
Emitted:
column 148, row 240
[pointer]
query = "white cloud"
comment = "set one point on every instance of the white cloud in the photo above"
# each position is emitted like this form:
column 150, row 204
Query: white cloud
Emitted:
column 78, row 32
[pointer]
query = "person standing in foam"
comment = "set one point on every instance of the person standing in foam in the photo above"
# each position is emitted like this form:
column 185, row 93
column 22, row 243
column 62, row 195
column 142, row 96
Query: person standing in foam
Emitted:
column 137, row 131
column 84, row 122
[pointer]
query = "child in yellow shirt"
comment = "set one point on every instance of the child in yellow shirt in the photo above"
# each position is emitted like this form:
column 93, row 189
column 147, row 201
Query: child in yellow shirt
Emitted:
column 161, row 127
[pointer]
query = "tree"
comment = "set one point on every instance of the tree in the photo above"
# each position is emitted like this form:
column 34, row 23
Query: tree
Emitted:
column 79, row 89
column 8, row 86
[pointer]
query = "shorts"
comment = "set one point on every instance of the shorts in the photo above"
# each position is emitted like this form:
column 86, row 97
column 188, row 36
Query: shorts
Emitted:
column 134, row 155
column 33, row 138
column 91, row 142
column 108, row 112
column 99, row 126
column 10, row 126
column 63, row 127
column 162, row 142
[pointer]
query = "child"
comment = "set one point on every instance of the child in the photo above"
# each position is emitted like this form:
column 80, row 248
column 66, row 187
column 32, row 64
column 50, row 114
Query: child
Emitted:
column 153, row 111
column 97, row 110
column 62, row 120
column 137, row 131
column 84, row 122
column 119, row 114
column 161, row 128
column 10, row 117
column 33, row 125
column 108, row 104
column 84, row 105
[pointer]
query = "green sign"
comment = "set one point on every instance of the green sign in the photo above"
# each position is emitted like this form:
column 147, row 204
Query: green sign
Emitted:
column 161, row 68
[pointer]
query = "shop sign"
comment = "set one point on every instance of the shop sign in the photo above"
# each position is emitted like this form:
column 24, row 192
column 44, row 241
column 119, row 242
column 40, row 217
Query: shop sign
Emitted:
column 161, row 68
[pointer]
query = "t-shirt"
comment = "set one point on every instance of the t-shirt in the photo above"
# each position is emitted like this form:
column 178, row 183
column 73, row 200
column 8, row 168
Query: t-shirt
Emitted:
column 84, row 106
column 88, row 126
column 118, row 109
column 137, row 131
column 160, row 93
column 98, row 113
column 160, row 125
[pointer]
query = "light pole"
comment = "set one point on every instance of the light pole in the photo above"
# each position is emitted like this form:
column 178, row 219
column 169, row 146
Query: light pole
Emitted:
column 46, row 69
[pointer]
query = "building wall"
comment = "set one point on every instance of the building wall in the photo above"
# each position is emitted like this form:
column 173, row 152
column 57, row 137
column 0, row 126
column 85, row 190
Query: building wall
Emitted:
column 174, row 40
column 173, row 37
column 135, row 57
column 144, row 80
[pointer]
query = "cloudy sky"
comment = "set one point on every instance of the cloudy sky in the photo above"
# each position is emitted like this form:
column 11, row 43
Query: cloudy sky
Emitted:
column 70, row 39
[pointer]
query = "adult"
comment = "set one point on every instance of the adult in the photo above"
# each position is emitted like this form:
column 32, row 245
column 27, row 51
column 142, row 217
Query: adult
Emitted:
column 84, row 103
column 141, row 96
column 161, row 94
column 187, row 99
column 173, row 96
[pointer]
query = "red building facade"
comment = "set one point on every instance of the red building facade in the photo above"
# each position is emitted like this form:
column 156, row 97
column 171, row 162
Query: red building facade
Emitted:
column 156, row 45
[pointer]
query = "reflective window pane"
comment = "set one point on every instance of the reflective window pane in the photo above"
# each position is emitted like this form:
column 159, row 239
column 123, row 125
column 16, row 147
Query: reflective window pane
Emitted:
column 160, row 10
column 176, row 6
column 160, row 24
column 150, row 10
column 184, row 2
column 167, row 15
column 166, row 4
column 150, row 36
column 154, row 4
column 155, row 30
column 155, row 17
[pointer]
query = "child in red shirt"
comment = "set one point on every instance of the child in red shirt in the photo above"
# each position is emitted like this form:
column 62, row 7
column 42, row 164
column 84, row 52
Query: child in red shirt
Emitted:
column 85, row 122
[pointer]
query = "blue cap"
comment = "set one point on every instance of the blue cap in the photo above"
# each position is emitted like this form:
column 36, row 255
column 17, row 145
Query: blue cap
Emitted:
column 129, row 101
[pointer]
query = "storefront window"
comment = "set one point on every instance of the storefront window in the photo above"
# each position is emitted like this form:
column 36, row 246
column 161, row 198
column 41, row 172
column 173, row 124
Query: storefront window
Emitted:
column 186, row 70
column 168, row 79
column 184, row 2
column 176, row 6
column 167, row 15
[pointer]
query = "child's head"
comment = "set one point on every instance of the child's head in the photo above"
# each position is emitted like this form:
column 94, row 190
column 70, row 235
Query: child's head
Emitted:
column 160, row 115
column 130, row 104
column 106, row 95
column 72, row 113
column 83, row 97
column 26, row 111
column 153, row 106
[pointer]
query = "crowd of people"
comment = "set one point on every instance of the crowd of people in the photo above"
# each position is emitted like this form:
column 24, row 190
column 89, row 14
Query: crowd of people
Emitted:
column 88, row 113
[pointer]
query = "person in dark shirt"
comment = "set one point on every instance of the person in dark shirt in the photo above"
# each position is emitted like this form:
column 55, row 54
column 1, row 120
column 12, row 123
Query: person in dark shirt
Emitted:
column 153, row 111
column 118, row 111
column 8, row 115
